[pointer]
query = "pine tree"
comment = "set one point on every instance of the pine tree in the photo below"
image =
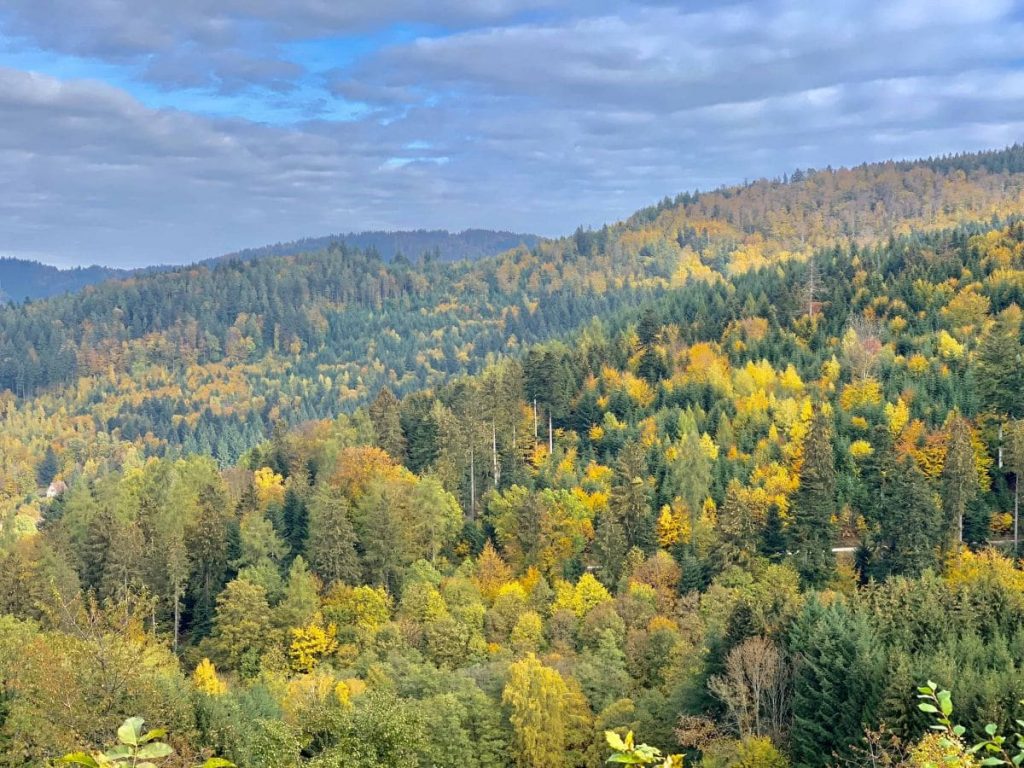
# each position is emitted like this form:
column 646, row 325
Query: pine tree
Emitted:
column 737, row 524
column 385, row 414
column 837, row 676
column 959, row 481
column 331, row 545
column 773, row 538
column 630, row 498
column 910, row 526
column 1000, row 366
column 811, row 531
column 48, row 467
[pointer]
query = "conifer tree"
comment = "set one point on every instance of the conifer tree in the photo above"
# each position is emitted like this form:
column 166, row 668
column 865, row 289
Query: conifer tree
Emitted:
column 959, row 481
column 385, row 414
column 811, row 530
column 837, row 674
column 910, row 530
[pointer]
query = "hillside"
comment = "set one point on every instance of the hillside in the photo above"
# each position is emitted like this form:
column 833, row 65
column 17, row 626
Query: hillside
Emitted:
column 209, row 357
column 22, row 279
column 468, row 245
column 631, row 528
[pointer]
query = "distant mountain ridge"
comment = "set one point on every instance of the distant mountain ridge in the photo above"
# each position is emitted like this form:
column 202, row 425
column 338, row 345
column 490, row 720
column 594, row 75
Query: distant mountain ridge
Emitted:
column 22, row 279
column 469, row 244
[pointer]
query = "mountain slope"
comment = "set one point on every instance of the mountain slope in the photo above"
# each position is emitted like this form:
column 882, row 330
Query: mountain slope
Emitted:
column 210, row 356
column 22, row 279
column 467, row 245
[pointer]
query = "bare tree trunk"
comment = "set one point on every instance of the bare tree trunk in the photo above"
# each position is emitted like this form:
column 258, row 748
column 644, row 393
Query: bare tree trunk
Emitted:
column 1016, row 512
column 472, row 483
column 551, row 436
column 1000, row 446
column 177, row 616
column 536, row 432
column 494, row 454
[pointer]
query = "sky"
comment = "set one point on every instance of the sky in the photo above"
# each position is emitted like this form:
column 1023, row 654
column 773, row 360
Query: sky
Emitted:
column 138, row 132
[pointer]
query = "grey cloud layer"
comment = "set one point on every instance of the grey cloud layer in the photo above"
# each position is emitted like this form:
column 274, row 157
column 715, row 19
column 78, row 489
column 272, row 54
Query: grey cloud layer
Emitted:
column 530, row 125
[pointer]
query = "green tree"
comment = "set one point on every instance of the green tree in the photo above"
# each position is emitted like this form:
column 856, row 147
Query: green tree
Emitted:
column 910, row 530
column 242, row 628
column 811, row 530
column 630, row 497
column 959, row 481
column 837, row 674
column 385, row 415
column 331, row 546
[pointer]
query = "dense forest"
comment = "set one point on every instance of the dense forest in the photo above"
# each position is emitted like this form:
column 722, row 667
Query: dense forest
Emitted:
column 738, row 475
column 22, row 279
column 439, row 244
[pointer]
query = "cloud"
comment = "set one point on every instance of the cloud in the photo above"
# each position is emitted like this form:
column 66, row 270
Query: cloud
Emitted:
column 508, row 114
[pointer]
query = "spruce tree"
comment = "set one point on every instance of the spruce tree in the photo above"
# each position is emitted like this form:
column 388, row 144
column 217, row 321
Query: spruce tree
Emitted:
column 910, row 524
column 811, row 531
column 837, row 676
column 385, row 415
column 959, row 481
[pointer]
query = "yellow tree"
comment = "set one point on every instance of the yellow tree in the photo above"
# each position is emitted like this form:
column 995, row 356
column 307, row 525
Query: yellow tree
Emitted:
column 540, row 711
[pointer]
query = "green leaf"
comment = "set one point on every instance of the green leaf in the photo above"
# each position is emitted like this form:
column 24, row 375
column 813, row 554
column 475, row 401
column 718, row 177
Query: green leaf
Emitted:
column 80, row 758
column 991, row 729
column 927, row 708
column 945, row 702
column 993, row 761
column 626, row 758
column 218, row 762
column 615, row 741
column 156, row 733
column 155, row 750
column 129, row 731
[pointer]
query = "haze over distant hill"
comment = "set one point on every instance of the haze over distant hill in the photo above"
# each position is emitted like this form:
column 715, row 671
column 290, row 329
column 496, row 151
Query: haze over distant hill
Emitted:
column 469, row 244
column 25, row 279
column 21, row 279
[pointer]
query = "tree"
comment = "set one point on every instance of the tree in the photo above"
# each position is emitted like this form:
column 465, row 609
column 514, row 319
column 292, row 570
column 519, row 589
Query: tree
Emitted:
column 385, row 415
column 537, row 699
column 959, row 480
column 837, row 674
column 1015, row 463
column 301, row 599
column 331, row 545
column 1000, row 366
column 812, row 530
column 630, row 497
column 206, row 541
column 738, row 524
column 242, row 628
column 910, row 533
column 754, row 688
column 48, row 467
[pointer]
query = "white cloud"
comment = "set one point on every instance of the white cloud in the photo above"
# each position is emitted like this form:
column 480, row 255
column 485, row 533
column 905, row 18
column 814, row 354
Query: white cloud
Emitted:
column 579, row 116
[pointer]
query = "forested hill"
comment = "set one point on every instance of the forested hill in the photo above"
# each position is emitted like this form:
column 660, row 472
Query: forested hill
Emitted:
column 209, row 357
column 23, row 279
column 438, row 244
column 219, row 516
column 634, row 531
